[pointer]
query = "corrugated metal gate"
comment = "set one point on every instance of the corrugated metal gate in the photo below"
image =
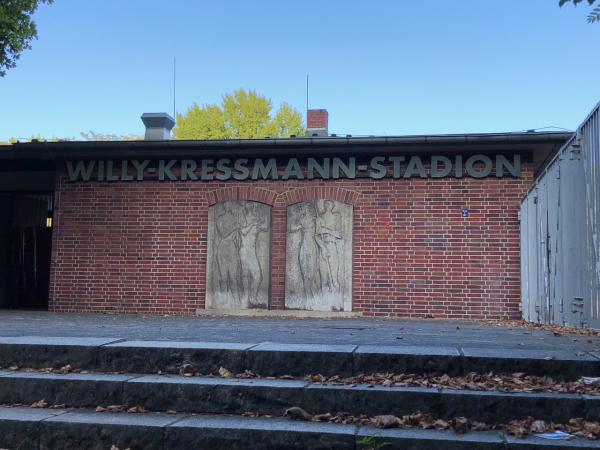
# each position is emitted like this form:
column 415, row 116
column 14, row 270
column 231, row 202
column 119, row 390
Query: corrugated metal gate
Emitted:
column 560, row 242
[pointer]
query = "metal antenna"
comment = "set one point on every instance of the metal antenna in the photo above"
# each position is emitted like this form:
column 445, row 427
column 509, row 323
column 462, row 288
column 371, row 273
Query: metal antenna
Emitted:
column 306, row 100
column 174, row 74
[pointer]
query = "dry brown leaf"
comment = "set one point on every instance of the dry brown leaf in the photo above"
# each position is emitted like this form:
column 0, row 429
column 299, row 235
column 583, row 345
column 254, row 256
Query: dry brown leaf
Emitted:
column 480, row 426
column 441, row 424
column 529, row 325
column 322, row 417
column 40, row 404
column 187, row 370
column 225, row 373
column 115, row 408
column 519, row 428
column 297, row 413
column 460, row 425
column 386, row 421
column 136, row 409
column 539, row 426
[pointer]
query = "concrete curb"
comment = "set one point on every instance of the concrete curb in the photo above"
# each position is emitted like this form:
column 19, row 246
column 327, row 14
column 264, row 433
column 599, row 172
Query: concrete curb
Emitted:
column 81, row 429
column 269, row 359
column 209, row 395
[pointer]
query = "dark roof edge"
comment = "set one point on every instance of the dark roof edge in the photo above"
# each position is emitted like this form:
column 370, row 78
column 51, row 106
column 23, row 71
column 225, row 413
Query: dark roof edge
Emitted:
column 83, row 149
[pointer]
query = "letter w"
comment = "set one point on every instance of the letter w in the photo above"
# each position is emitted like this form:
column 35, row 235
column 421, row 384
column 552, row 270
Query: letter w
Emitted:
column 80, row 170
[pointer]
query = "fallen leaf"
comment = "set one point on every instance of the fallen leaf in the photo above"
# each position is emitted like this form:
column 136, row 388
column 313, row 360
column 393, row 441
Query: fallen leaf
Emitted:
column 136, row 409
column 225, row 373
column 539, row 426
column 187, row 370
column 115, row 408
column 460, row 425
column 40, row 404
column 322, row 417
column 297, row 413
column 386, row 421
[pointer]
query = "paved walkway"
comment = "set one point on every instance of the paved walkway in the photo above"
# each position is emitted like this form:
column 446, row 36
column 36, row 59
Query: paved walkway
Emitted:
column 424, row 332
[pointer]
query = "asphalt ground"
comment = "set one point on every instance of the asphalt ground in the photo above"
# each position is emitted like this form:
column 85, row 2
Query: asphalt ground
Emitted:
column 357, row 331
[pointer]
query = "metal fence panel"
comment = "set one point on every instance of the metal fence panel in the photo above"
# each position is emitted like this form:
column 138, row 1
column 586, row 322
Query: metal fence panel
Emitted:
column 524, row 220
column 553, row 240
column 542, row 301
column 524, row 259
column 589, row 140
column 529, row 259
column 533, row 307
column 560, row 235
column 572, row 233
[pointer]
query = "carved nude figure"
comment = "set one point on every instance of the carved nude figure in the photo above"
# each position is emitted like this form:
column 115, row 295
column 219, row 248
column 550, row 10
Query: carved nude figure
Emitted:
column 327, row 235
column 228, row 252
column 319, row 256
column 305, row 224
column 250, row 264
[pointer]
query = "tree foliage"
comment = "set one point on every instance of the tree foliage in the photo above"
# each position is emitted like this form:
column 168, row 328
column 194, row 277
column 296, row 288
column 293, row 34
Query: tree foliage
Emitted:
column 16, row 30
column 288, row 121
column 241, row 115
column 93, row 136
column 593, row 16
column 85, row 136
column 32, row 138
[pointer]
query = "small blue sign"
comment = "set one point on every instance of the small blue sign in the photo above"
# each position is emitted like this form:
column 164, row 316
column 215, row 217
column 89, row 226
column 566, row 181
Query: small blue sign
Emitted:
column 466, row 212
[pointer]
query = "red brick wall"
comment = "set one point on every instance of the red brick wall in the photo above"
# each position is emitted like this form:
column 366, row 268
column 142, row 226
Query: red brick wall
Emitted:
column 317, row 118
column 141, row 247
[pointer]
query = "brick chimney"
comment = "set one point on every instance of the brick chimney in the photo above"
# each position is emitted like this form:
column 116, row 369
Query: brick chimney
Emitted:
column 317, row 123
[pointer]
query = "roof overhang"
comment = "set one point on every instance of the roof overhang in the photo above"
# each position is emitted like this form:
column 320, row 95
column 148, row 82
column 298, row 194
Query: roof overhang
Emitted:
column 543, row 145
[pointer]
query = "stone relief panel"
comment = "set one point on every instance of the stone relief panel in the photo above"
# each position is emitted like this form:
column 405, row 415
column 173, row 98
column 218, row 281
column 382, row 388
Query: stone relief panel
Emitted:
column 318, row 274
column 238, row 264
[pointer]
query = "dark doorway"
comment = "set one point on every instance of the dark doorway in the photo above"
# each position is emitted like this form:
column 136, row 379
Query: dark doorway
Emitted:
column 25, row 247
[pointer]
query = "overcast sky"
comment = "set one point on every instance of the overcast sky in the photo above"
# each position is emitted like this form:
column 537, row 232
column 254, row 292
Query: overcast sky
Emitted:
column 391, row 67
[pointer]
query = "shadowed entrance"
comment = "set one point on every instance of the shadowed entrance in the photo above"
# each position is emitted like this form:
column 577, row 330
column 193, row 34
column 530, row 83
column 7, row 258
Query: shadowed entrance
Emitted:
column 25, row 246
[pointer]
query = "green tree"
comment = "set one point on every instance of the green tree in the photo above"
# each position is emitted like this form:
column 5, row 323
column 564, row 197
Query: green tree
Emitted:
column 241, row 115
column 593, row 16
column 288, row 121
column 16, row 30
column 247, row 115
column 201, row 123
column 34, row 137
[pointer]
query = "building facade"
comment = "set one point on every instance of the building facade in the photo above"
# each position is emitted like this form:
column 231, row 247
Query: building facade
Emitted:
column 414, row 226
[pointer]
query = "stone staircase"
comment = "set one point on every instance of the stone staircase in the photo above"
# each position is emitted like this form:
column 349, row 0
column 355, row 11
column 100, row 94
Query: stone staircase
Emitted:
column 213, row 412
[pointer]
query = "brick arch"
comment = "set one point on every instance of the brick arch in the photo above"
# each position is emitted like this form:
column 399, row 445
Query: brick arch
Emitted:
column 308, row 194
column 242, row 193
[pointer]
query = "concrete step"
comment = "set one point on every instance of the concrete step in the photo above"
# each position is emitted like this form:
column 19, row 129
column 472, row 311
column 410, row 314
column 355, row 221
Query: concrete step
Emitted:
column 272, row 397
column 26, row 429
column 271, row 359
